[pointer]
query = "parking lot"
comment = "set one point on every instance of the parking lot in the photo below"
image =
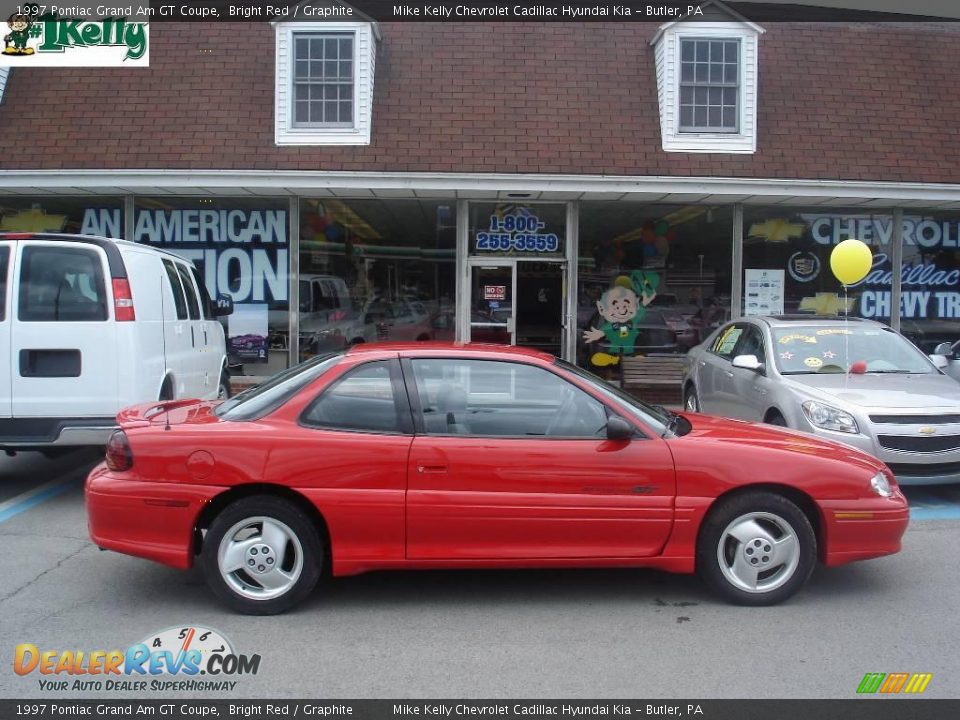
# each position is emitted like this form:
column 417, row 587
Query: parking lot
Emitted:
column 607, row 633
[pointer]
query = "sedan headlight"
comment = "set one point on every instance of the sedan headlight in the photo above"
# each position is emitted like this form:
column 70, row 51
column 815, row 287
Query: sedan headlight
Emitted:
column 880, row 485
column 829, row 418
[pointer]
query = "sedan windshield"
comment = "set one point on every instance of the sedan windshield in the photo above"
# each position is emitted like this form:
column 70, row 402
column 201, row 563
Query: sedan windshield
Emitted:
column 266, row 397
column 802, row 350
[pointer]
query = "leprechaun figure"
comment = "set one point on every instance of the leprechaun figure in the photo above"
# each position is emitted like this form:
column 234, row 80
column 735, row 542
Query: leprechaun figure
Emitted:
column 16, row 40
column 623, row 307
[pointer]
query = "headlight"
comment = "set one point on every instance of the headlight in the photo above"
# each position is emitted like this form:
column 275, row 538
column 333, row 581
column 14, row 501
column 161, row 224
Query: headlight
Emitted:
column 829, row 418
column 880, row 485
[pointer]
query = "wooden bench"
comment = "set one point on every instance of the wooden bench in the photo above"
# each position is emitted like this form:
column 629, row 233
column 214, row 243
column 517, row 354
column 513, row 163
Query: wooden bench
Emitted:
column 654, row 378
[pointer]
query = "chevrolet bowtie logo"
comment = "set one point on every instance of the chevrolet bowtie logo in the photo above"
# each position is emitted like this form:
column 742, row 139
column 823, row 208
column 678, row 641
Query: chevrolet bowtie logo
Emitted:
column 927, row 430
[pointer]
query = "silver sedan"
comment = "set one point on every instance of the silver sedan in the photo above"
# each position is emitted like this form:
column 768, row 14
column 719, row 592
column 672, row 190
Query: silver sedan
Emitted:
column 850, row 380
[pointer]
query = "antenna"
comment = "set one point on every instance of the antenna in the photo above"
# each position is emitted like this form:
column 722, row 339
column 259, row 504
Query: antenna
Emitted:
column 163, row 338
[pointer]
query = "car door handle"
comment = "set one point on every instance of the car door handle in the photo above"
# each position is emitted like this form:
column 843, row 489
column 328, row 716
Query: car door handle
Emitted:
column 703, row 363
column 432, row 469
column 729, row 373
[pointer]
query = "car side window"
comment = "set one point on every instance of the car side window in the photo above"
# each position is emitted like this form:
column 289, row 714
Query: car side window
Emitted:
column 726, row 341
column 751, row 343
column 179, row 300
column 193, row 303
column 486, row 398
column 62, row 284
column 363, row 400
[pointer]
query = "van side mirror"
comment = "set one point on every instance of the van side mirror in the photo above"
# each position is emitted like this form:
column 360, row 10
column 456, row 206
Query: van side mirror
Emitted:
column 619, row 429
column 748, row 362
column 944, row 348
column 223, row 305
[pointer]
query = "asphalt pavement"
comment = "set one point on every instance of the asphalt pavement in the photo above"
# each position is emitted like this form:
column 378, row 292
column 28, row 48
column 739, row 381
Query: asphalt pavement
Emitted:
column 479, row 634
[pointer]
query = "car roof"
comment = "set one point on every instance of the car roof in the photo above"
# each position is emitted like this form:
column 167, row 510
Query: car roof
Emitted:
column 435, row 347
column 800, row 319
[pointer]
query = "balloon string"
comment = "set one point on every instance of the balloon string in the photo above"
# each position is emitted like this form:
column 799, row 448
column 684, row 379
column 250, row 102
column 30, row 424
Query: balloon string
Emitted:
column 846, row 336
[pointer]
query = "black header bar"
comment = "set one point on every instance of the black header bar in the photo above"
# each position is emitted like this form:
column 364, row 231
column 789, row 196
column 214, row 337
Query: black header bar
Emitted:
column 446, row 11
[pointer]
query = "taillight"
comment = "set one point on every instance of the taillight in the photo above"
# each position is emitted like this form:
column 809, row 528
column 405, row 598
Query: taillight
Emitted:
column 119, row 455
column 123, row 301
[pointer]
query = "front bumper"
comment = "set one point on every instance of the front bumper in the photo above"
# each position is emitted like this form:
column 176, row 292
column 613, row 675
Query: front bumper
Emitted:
column 863, row 529
column 152, row 520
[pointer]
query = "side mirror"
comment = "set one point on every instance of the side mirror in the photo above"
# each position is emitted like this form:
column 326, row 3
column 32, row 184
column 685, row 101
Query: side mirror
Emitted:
column 944, row 348
column 619, row 429
column 939, row 360
column 223, row 306
column 748, row 362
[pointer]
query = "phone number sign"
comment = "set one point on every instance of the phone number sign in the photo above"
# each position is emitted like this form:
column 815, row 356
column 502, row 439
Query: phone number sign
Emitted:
column 518, row 232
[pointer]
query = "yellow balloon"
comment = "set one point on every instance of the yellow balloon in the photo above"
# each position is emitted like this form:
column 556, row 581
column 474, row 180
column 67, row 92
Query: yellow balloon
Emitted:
column 850, row 261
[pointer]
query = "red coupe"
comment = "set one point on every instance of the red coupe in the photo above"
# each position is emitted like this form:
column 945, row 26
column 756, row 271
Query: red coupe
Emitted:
column 432, row 455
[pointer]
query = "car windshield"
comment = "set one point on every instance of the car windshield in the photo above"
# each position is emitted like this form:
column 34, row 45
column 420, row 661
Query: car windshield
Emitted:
column 266, row 397
column 656, row 418
column 807, row 349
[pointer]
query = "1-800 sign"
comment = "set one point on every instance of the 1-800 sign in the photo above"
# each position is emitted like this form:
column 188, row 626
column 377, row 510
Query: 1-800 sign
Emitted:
column 516, row 232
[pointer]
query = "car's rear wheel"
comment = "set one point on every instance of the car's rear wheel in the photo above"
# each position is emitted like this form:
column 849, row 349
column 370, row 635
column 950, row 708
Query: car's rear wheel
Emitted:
column 223, row 387
column 757, row 548
column 691, row 402
column 262, row 555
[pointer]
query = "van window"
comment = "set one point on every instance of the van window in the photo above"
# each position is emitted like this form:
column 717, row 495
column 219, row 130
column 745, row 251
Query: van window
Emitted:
column 206, row 304
column 4, row 263
column 193, row 304
column 61, row 284
column 178, row 299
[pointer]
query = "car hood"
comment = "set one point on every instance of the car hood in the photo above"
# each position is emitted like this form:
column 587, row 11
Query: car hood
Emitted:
column 878, row 390
column 740, row 433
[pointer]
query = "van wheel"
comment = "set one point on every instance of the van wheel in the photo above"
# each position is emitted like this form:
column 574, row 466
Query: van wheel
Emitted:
column 223, row 389
column 262, row 555
column 166, row 390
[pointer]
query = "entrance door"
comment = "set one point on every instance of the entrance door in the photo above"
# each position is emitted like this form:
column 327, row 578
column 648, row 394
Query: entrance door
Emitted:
column 491, row 304
column 518, row 303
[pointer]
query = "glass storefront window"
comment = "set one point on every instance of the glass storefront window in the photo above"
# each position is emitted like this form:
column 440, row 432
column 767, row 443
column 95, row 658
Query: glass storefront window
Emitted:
column 240, row 246
column 786, row 261
column 75, row 215
column 375, row 270
column 652, row 279
column 930, row 279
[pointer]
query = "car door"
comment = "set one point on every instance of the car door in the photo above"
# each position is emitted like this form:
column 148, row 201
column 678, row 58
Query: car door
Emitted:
column 348, row 453
column 715, row 372
column 748, row 401
column 510, row 462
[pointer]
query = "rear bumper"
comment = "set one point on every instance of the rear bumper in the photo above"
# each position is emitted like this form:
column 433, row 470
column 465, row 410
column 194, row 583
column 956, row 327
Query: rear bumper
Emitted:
column 38, row 432
column 864, row 529
column 151, row 520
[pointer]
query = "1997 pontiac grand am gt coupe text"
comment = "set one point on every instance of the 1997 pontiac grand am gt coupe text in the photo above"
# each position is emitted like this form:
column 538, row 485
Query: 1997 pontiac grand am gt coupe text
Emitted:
column 433, row 455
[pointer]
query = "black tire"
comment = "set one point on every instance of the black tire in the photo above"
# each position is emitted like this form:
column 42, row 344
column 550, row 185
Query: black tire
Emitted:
column 223, row 388
column 690, row 396
column 775, row 418
column 166, row 390
column 285, row 512
column 723, row 515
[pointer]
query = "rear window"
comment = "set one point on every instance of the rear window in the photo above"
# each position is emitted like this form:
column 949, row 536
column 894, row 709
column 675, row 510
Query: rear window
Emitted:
column 4, row 266
column 269, row 395
column 60, row 284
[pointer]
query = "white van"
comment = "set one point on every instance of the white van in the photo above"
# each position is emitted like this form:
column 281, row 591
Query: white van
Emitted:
column 89, row 325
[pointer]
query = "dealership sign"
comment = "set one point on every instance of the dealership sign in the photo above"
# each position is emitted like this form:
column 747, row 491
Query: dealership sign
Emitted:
column 878, row 230
column 241, row 252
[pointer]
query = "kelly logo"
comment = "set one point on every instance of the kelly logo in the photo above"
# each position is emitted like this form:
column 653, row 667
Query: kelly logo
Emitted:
column 39, row 38
column 894, row 683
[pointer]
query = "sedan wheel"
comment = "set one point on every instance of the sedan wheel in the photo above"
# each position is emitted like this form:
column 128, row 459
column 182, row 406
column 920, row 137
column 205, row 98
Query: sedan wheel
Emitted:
column 691, row 403
column 756, row 549
column 262, row 555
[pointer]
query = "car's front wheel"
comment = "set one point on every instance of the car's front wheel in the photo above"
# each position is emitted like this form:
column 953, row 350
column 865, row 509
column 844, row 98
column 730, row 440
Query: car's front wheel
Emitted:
column 757, row 548
column 691, row 402
column 262, row 555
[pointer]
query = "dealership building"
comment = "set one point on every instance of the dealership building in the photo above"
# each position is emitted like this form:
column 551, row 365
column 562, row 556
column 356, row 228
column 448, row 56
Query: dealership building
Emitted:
column 352, row 180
